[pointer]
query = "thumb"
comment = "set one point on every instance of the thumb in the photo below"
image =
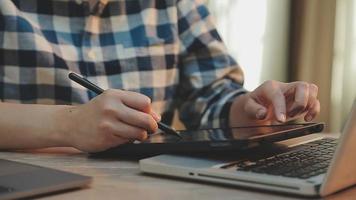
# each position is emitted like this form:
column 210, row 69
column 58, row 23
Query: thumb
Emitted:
column 255, row 110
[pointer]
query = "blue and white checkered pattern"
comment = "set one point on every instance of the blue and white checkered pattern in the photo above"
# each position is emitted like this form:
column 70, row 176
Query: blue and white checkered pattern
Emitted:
column 168, row 50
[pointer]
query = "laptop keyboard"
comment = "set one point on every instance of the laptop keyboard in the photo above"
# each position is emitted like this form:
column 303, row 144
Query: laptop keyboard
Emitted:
column 309, row 160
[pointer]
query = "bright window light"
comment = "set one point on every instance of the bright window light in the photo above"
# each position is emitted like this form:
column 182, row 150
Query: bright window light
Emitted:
column 256, row 35
column 244, row 38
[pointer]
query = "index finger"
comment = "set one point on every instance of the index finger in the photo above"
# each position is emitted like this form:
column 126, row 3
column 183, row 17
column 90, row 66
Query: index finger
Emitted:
column 279, row 104
column 136, row 101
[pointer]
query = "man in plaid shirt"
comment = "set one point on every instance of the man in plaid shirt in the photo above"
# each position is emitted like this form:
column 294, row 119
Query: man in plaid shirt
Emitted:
column 156, row 55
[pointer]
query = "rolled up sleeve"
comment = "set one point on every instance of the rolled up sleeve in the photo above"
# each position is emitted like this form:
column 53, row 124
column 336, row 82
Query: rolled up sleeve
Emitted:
column 210, row 78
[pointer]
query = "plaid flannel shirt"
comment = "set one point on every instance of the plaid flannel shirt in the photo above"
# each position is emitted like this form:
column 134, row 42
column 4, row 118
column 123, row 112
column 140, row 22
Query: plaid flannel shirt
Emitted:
column 168, row 50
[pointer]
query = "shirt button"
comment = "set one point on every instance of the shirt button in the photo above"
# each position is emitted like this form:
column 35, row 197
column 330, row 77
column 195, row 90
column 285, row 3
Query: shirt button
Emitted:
column 91, row 54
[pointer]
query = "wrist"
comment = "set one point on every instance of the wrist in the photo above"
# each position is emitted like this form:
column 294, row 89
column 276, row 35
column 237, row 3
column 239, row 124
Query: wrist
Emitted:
column 236, row 113
column 62, row 126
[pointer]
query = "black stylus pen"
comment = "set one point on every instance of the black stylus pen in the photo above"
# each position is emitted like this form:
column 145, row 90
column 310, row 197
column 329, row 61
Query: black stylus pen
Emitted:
column 91, row 86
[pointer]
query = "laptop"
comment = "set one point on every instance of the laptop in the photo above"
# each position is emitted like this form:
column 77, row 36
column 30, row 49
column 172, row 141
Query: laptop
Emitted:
column 19, row 180
column 315, row 168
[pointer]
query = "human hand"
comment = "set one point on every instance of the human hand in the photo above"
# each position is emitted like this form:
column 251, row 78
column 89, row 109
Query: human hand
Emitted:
column 110, row 119
column 275, row 102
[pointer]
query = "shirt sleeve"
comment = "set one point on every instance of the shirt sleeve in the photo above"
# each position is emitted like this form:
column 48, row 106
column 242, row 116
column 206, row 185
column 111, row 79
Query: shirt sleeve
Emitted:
column 210, row 78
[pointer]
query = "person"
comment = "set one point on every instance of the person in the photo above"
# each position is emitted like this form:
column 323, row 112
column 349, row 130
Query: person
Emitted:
column 152, row 56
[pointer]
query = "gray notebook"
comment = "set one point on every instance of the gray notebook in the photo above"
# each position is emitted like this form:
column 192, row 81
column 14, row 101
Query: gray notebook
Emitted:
column 18, row 180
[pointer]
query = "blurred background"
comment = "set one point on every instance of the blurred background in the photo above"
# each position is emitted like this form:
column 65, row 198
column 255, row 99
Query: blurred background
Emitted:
column 289, row 40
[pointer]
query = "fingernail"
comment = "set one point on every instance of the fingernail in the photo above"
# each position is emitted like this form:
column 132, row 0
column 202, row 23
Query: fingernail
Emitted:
column 156, row 116
column 261, row 114
column 282, row 117
column 308, row 118
column 145, row 136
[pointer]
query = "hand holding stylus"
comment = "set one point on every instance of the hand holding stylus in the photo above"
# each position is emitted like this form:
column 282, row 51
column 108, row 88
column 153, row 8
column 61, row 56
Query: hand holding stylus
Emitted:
column 110, row 119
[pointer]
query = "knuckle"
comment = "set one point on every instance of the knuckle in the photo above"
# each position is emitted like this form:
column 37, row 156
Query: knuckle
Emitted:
column 303, row 85
column 102, row 143
column 276, row 94
column 314, row 112
column 314, row 87
column 146, row 99
column 146, row 102
column 271, row 83
column 103, row 102
column 141, row 134
column 149, row 122
column 108, row 138
column 316, row 106
column 299, row 101
column 112, row 93
column 146, row 118
column 108, row 93
column 108, row 110
column 105, row 127
column 154, row 126
column 300, row 104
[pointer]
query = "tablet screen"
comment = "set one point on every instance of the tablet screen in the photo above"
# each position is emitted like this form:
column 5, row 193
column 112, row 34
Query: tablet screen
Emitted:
column 208, row 140
column 227, row 134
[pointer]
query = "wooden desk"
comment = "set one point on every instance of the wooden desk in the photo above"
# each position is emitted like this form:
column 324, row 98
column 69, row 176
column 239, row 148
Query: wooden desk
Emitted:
column 121, row 179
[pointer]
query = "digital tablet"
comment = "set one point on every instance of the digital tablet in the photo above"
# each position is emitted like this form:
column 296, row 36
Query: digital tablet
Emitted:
column 216, row 139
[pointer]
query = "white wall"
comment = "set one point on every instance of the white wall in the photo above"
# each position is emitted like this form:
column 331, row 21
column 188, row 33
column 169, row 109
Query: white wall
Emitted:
column 256, row 34
column 344, row 66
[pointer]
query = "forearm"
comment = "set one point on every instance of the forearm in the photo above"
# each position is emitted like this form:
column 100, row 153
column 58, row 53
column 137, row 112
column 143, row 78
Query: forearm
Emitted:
column 32, row 126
